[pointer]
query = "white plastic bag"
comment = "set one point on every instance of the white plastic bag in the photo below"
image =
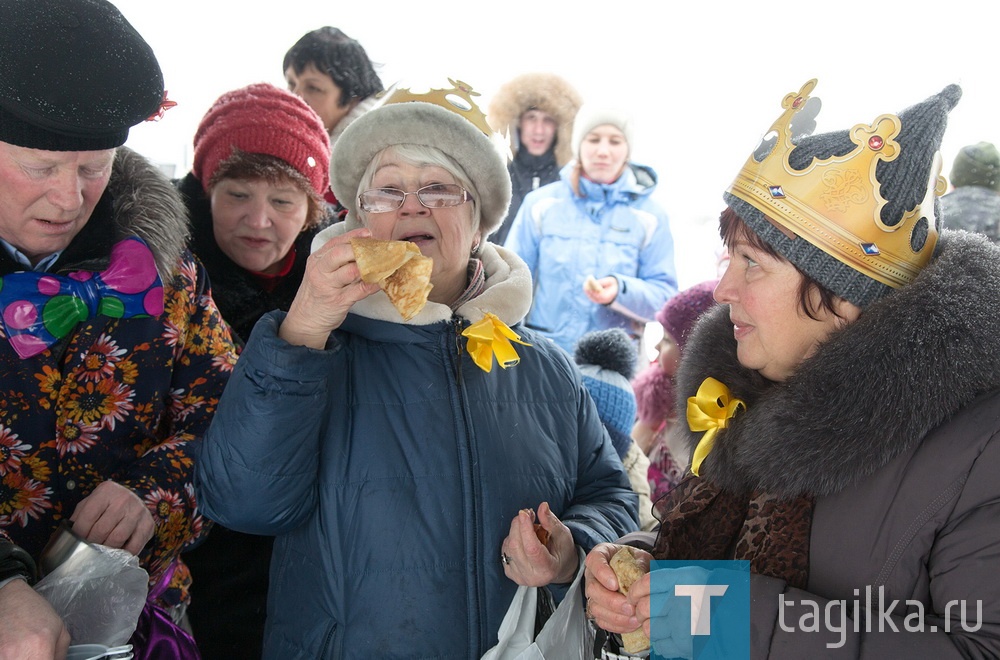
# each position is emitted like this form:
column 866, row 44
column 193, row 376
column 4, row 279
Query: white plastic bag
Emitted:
column 98, row 595
column 567, row 634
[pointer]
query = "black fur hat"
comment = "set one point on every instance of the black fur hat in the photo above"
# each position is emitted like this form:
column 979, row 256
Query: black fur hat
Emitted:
column 74, row 75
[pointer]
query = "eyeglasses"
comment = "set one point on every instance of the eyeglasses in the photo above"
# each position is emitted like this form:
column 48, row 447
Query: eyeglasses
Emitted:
column 434, row 196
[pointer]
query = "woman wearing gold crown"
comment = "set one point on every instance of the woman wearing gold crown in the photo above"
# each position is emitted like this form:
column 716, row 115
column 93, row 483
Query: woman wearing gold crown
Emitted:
column 398, row 465
column 844, row 405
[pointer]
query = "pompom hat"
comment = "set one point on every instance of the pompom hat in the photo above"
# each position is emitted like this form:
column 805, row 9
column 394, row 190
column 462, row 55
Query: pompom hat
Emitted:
column 263, row 119
column 74, row 75
column 606, row 359
column 592, row 115
column 856, row 210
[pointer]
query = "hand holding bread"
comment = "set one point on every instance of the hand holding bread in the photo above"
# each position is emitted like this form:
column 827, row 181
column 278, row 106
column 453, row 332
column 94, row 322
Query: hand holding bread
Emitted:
column 540, row 549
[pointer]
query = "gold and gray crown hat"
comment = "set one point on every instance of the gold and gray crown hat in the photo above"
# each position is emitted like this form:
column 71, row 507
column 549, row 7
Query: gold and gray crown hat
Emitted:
column 542, row 91
column 74, row 75
column 856, row 210
column 447, row 119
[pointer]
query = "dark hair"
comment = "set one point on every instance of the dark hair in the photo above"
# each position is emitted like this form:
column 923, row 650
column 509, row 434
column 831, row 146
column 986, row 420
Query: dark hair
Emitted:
column 732, row 228
column 245, row 166
column 338, row 56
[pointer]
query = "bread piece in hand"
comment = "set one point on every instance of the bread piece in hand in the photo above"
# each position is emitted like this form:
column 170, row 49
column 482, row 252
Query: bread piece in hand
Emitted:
column 628, row 570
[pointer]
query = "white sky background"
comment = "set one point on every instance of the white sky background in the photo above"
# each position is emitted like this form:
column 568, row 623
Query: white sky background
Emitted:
column 704, row 79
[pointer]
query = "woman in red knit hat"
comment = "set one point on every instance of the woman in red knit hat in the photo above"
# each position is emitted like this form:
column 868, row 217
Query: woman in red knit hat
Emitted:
column 254, row 194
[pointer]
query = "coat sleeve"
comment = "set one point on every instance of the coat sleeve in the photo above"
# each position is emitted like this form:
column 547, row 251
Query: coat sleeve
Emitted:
column 604, row 506
column 258, row 468
column 963, row 566
column 204, row 354
column 641, row 295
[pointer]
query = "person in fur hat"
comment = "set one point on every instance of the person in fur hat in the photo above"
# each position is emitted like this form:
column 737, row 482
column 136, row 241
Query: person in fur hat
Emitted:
column 843, row 408
column 255, row 198
column 598, row 245
column 113, row 353
column 405, row 466
column 536, row 110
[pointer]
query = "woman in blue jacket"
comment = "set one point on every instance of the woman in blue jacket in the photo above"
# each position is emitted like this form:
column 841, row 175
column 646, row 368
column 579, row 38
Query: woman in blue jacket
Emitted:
column 398, row 469
column 598, row 247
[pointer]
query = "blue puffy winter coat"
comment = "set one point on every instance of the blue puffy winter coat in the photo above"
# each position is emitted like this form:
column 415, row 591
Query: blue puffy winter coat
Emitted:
column 390, row 467
column 613, row 229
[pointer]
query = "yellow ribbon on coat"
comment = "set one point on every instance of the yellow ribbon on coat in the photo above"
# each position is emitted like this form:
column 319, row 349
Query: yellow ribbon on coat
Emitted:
column 709, row 410
column 490, row 337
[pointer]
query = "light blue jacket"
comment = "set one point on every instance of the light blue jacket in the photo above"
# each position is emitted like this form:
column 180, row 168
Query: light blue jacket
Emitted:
column 389, row 466
column 613, row 229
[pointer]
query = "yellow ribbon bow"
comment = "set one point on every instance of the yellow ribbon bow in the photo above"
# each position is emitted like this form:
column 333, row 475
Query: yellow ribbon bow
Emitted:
column 709, row 410
column 490, row 337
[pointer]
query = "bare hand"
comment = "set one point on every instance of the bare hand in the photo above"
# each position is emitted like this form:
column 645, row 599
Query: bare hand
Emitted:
column 31, row 629
column 602, row 291
column 330, row 287
column 609, row 609
column 115, row 517
column 533, row 564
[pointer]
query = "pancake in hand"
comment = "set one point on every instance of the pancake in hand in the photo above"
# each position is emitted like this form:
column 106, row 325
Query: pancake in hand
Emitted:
column 627, row 569
column 399, row 269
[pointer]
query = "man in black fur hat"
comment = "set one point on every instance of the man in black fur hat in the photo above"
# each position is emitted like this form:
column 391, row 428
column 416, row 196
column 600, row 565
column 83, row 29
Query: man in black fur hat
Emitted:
column 112, row 353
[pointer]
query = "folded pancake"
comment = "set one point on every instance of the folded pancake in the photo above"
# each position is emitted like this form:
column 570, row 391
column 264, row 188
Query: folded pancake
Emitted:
column 399, row 269
column 378, row 260
column 628, row 570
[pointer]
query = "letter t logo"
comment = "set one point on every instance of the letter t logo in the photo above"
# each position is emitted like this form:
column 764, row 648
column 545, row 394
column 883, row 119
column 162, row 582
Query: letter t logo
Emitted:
column 698, row 593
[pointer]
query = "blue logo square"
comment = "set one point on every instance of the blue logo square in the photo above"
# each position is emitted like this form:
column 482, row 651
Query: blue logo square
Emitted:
column 716, row 594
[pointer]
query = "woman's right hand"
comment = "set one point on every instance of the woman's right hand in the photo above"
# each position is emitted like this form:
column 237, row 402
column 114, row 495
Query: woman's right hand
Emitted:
column 330, row 287
column 609, row 609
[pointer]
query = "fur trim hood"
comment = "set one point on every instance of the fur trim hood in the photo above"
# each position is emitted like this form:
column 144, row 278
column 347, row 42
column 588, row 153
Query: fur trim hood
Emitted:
column 147, row 205
column 873, row 390
column 507, row 294
column 545, row 91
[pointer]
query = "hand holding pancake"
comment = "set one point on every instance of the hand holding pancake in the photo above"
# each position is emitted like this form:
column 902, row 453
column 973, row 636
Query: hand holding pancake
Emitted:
column 330, row 286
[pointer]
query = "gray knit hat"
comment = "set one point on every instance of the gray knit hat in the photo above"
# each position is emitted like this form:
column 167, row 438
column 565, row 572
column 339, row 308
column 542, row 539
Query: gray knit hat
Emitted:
column 855, row 210
column 977, row 165
column 74, row 75
column 592, row 115
column 435, row 119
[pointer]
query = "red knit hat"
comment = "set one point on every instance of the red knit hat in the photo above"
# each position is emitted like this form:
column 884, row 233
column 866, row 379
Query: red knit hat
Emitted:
column 263, row 119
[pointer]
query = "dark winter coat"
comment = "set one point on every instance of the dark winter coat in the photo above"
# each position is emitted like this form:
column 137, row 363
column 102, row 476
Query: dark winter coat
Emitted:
column 390, row 467
column 893, row 426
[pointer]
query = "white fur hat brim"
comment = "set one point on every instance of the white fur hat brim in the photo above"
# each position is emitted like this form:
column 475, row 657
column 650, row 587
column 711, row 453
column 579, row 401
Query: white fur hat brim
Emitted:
column 425, row 124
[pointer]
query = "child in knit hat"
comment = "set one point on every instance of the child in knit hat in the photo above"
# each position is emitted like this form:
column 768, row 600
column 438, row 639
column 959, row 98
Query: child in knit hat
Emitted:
column 606, row 359
column 654, row 387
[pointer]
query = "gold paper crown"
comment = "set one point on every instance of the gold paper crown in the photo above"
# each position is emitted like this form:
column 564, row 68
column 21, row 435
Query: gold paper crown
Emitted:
column 835, row 203
column 458, row 99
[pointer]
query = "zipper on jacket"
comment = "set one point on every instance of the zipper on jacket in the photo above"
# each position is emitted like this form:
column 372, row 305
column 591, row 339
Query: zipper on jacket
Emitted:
column 475, row 516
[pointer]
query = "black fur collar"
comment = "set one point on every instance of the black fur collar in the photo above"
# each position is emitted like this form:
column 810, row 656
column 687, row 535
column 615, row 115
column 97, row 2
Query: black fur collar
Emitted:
column 873, row 390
